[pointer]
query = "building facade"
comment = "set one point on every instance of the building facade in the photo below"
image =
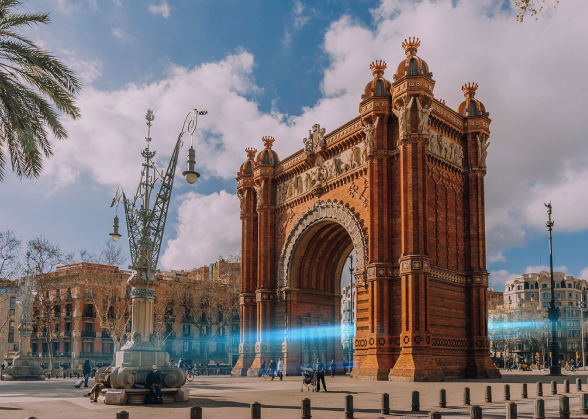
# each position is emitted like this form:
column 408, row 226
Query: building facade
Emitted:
column 348, row 315
column 402, row 184
column 532, row 292
column 9, row 315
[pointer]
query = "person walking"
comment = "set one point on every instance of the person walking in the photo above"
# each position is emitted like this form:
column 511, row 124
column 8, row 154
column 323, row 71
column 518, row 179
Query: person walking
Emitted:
column 86, row 370
column 153, row 381
column 332, row 368
column 262, row 369
column 181, row 363
column 280, row 368
column 319, row 369
column 272, row 369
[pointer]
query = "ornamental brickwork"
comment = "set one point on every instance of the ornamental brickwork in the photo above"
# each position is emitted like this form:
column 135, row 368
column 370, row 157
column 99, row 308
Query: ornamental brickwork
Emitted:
column 402, row 184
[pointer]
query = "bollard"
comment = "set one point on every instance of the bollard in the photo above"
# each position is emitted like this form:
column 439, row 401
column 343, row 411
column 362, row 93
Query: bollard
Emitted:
column 475, row 412
column 442, row 398
column 511, row 410
column 564, row 407
column 539, row 409
column 434, row 415
column 466, row 396
column 385, row 408
column 416, row 405
column 506, row 392
column 524, row 391
column 488, row 396
column 123, row 414
column 584, row 403
column 305, row 409
column 255, row 411
column 349, row 407
column 578, row 384
column 566, row 386
column 196, row 412
column 553, row 387
column 539, row 389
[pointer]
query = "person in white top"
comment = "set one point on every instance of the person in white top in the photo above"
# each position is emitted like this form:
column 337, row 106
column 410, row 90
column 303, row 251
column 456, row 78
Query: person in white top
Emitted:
column 280, row 368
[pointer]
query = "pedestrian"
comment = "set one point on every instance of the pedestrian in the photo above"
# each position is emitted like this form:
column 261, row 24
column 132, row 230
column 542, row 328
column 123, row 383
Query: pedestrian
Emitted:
column 181, row 363
column 319, row 369
column 86, row 370
column 153, row 381
column 332, row 368
column 272, row 369
column 100, row 384
column 509, row 364
column 262, row 369
column 280, row 368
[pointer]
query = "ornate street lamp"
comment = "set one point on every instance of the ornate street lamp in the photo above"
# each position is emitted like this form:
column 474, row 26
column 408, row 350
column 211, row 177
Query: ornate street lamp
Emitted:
column 553, row 312
column 145, row 226
column 24, row 366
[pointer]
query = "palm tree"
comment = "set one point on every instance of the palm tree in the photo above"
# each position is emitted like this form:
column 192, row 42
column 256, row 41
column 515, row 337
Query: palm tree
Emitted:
column 35, row 89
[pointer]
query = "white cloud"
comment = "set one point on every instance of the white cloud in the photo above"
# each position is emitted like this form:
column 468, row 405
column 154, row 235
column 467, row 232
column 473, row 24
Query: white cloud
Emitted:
column 118, row 32
column 584, row 273
column 299, row 18
column 161, row 9
column 538, row 268
column 67, row 7
column 86, row 70
column 538, row 150
column 208, row 226
column 497, row 279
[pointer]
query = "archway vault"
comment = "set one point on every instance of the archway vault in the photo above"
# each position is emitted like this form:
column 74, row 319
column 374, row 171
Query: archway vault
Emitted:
column 322, row 212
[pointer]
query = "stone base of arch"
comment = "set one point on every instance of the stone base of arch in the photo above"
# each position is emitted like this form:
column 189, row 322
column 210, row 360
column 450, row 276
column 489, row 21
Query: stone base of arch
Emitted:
column 416, row 365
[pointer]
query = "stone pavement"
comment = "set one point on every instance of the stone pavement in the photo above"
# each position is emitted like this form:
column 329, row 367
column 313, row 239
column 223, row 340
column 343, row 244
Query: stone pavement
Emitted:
column 226, row 397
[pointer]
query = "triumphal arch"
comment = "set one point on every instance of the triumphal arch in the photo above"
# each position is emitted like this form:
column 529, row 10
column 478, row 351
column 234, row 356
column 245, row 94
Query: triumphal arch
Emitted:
column 402, row 184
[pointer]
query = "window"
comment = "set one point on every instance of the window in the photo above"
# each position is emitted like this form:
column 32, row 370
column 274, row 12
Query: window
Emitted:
column 532, row 295
column 413, row 67
column 472, row 107
column 543, row 285
column 570, row 295
column 532, row 286
column 186, row 329
column 520, row 296
column 557, row 295
column 220, row 347
column 12, row 306
column 379, row 88
column 557, row 285
column 519, row 287
column 88, row 347
column 570, row 304
column 546, row 295
column 186, row 347
column 545, row 304
column 569, row 285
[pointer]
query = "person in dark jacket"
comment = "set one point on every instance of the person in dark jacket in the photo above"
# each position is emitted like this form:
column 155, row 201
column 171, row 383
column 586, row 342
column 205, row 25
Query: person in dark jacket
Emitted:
column 332, row 368
column 272, row 369
column 153, row 382
column 319, row 369
column 86, row 370
column 262, row 369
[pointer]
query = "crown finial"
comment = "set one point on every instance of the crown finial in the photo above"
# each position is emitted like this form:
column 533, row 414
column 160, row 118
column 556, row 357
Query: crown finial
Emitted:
column 268, row 141
column 411, row 46
column 469, row 90
column 378, row 68
column 251, row 153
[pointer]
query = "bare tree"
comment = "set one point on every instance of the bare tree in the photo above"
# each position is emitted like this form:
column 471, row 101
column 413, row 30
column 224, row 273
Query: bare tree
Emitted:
column 44, row 256
column 112, row 254
column 9, row 255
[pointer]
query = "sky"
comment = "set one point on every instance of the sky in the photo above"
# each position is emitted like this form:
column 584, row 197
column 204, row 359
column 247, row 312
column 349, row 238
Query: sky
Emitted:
column 278, row 67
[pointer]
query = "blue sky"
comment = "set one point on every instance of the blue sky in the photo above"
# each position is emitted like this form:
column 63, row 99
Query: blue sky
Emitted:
column 278, row 67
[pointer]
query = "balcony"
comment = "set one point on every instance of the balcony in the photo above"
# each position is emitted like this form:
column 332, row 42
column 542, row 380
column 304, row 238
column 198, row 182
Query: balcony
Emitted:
column 105, row 334
column 171, row 335
column 187, row 335
column 187, row 319
column 67, row 314
column 88, row 314
column 88, row 334
column 67, row 334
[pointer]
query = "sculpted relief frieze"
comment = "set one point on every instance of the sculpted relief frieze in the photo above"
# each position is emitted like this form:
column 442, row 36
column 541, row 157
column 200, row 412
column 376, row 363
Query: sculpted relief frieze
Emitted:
column 323, row 171
column 445, row 148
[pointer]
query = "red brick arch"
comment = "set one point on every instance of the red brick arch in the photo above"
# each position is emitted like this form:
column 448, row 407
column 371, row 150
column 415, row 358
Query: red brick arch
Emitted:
column 320, row 213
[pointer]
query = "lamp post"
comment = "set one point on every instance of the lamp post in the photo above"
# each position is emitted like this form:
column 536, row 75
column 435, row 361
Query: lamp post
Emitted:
column 582, row 306
column 24, row 366
column 352, row 314
column 553, row 312
column 145, row 226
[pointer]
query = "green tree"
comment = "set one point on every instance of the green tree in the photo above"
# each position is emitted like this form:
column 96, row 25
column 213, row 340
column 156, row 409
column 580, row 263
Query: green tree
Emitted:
column 35, row 89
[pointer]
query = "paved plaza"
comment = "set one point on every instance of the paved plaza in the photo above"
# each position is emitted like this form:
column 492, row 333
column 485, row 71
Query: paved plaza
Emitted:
column 226, row 397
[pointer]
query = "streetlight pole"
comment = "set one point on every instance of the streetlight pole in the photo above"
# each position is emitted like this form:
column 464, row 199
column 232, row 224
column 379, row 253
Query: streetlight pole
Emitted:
column 352, row 313
column 582, row 305
column 24, row 366
column 145, row 226
column 553, row 312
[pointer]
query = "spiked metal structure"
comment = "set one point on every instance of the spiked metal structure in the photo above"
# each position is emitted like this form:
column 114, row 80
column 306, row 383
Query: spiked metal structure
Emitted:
column 145, row 226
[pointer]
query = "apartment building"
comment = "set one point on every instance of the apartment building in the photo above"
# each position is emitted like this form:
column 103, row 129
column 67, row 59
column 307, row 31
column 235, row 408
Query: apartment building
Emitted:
column 9, row 314
column 533, row 292
column 348, row 312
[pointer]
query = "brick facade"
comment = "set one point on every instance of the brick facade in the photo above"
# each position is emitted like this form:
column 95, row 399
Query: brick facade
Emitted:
column 402, row 184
